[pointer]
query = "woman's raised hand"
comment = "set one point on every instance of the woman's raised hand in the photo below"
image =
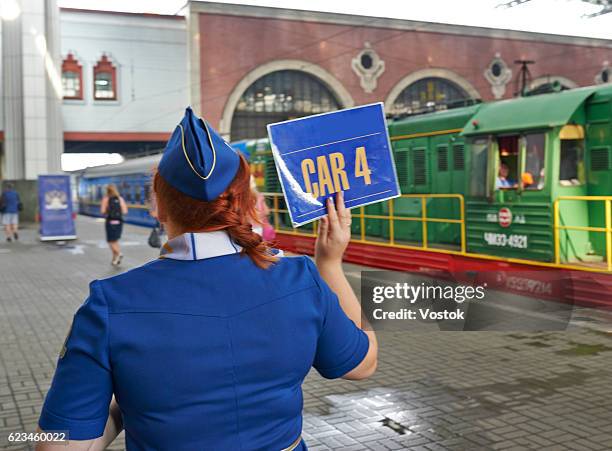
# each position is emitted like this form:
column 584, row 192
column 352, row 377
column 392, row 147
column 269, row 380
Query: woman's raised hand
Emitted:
column 334, row 233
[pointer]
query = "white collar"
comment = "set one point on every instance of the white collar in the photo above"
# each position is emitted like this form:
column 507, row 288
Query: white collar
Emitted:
column 199, row 246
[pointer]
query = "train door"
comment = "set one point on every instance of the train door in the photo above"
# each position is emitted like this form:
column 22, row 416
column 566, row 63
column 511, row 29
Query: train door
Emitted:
column 598, row 162
column 458, row 170
column 402, row 155
column 575, row 245
column 440, row 233
column 522, row 196
column 412, row 163
column 457, row 166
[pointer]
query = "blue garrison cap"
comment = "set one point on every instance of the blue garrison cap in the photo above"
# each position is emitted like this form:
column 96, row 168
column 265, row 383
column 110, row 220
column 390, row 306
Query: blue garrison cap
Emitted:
column 197, row 161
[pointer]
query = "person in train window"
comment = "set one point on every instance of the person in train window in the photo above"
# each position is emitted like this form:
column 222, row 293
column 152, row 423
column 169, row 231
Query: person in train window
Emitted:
column 503, row 179
column 113, row 208
column 206, row 348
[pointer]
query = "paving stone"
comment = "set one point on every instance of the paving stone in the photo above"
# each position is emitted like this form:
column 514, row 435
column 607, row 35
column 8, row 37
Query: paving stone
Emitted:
column 447, row 390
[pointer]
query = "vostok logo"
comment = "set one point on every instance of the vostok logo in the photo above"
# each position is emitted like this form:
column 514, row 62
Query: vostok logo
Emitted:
column 504, row 217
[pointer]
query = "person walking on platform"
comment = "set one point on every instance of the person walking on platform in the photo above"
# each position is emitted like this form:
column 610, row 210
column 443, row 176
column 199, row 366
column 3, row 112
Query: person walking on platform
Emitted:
column 113, row 207
column 10, row 206
column 206, row 348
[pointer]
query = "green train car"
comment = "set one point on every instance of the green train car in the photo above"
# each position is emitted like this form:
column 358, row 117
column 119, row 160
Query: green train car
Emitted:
column 512, row 161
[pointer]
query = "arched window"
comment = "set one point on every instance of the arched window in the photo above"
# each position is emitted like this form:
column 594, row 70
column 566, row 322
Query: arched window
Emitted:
column 278, row 96
column 105, row 80
column 72, row 78
column 430, row 93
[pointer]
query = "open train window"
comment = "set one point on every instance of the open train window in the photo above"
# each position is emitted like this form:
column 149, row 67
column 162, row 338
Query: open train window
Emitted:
column 533, row 174
column 508, row 148
column 522, row 155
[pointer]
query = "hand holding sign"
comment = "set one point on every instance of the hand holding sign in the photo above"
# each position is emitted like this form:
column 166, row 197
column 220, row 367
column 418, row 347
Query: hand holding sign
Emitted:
column 334, row 232
column 343, row 151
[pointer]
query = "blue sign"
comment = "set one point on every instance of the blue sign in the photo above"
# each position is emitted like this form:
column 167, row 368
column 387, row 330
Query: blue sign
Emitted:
column 318, row 156
column 55, row 204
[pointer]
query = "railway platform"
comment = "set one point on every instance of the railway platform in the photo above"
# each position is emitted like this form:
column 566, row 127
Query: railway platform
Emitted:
column 432, row 391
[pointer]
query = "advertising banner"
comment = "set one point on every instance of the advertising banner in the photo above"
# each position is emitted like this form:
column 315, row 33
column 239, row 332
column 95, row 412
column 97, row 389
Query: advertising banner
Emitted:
column 318, row 156
column 55, row 203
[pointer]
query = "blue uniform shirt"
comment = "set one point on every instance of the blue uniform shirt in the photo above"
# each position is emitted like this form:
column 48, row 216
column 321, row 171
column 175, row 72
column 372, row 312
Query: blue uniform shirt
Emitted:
column 202, row 349
column 10, row 199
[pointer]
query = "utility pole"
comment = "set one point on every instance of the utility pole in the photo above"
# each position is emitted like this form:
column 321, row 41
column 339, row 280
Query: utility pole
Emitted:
column 524, row 77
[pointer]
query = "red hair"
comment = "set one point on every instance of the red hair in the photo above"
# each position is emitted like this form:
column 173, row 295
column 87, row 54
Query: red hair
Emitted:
column 232, row 211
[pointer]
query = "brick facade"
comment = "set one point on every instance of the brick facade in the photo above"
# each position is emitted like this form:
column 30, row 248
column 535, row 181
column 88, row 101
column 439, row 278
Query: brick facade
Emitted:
column 235, row 41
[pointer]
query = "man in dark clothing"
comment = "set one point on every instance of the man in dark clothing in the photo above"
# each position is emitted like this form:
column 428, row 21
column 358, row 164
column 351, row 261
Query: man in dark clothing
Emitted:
column 10, row 206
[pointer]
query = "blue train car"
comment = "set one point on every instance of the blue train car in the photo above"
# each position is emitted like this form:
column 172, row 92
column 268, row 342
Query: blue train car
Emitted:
column 132, row 178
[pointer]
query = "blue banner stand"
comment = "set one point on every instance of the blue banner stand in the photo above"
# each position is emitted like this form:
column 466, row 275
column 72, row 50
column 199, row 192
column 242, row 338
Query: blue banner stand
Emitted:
column 318, row 156
column 55, row 206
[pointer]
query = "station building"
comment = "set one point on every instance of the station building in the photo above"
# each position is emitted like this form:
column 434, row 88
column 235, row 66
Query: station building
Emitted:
column 259, row 65
column 96, row 81
column 124, row 80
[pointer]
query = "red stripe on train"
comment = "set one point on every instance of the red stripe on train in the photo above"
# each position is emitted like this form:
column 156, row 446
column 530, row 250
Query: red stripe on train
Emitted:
column 589, row 289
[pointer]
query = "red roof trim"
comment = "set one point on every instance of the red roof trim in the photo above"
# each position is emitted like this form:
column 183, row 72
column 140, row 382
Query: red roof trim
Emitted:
column 116, row 136
column 124, row 13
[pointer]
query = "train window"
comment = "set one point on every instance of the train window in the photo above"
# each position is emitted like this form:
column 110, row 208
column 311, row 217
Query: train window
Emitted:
column 442, row 158
column 137, row 194
column 571, row 171
column 147, row 192
column 508, row 162
column 533, row 175
column 479, row 163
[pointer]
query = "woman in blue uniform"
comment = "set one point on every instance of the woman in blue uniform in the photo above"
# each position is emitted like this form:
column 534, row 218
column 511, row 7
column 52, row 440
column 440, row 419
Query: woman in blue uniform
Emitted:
column 206, row 348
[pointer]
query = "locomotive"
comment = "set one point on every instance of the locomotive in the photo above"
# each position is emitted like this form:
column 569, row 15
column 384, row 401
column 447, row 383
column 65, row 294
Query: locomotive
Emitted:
column 520, row 185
